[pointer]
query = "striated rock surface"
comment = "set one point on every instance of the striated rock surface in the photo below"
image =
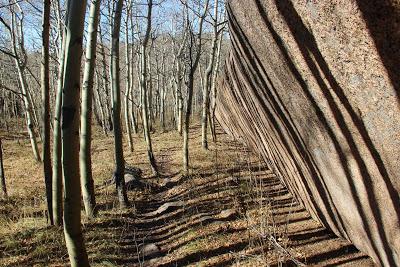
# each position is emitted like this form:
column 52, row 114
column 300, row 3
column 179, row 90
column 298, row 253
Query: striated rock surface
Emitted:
column 313, row 86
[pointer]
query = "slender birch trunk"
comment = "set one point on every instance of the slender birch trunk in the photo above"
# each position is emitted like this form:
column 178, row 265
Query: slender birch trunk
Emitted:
column 28, row 110
column 17, row 45
column 116, row 93
column 128, row 81
column 133, row 116
column 45, row 84
column 207, row 81
column 70, row 133
column 57, row 146
column 162, row 93
column 178, row 84
column 214, row 90
column 105, row 81
column 195, row 44
column 100, row 103
column 143, row 85
column 85, row 158
column 3, row 187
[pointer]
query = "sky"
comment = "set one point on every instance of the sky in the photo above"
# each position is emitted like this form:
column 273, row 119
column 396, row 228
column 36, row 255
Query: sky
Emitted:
column 162, row 18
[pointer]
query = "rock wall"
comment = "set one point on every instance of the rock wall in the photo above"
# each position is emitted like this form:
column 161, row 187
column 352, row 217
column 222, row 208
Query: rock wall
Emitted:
column 313, row 86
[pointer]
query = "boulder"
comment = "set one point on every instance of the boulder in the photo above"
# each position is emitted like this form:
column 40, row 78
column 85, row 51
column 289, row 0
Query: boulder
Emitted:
column 313, row 86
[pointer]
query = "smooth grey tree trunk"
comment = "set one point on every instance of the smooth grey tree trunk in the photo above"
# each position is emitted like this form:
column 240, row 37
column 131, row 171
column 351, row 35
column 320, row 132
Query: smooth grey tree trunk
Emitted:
column 194, row 54
column 3, row 187
column 128, row 82
column 45, row 84
column 57, row 148
column 143, row 85
column 70, row 134
column 207, row 81
column 85, row 157
column 28, row 110
column 162, row 92
column 100, row 103
column 105, row 81
column 178, row 83
column 116, row 93
column 15, row 32
column 214, row 90
column 133, row 116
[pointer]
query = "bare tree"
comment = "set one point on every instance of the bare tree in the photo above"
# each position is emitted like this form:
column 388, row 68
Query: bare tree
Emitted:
column 116, row 93
column 178, row 78
column 143, row 85
column 194, row 49
column 207, row 79
column 89, row 199
column 106, row 82
column 214, row 87
column 128, row 85
column 18, row 53
column 3, row 188
column 70, row 133
column 57, row 146
column 45, row 83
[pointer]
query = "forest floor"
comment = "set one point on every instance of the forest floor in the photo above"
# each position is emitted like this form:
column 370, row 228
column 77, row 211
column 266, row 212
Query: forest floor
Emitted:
column 230, row 210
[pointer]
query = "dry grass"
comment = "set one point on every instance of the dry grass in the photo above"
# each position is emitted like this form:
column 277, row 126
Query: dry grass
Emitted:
column 24, row 231
column 225, row 177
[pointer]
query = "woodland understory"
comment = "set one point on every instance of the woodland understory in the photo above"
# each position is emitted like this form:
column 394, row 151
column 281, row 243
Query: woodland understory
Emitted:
column 230, row 210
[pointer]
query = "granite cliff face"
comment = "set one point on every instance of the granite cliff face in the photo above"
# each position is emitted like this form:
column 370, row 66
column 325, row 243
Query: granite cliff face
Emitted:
column 313, row 86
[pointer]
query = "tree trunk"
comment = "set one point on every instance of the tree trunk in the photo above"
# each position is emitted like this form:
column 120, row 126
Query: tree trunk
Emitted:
column 105, row 81
column 187, row 123
column 28, row 110
column 128, row 83
column 180, row 104
column 214, row 90
column 207, row 81
column 143, row 85
column 45, row 84
column 57, row 149
column 162, row 94
column 116, row 93
column 194, row 54
column 101, row 106
column 133, row 116
column 3, row 188
column 150, row 89
column 70, row 134
column 21, row 67
column 85, row 158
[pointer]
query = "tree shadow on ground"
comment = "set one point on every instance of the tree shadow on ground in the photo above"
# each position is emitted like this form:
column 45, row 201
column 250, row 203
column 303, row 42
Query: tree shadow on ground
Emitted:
column 185, row 220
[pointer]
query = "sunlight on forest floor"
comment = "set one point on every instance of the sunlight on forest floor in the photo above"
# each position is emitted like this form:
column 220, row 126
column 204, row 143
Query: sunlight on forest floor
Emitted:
column 231, row 210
